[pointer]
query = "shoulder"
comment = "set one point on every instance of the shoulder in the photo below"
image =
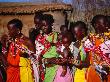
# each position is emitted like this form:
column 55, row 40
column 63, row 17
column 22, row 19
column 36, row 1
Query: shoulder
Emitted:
column 26, row 40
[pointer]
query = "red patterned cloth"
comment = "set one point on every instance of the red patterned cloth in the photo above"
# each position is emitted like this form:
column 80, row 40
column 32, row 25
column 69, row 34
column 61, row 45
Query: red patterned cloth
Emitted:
column 42, row 39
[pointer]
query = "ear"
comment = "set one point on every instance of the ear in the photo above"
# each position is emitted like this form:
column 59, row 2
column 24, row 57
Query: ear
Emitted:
column 18, row 30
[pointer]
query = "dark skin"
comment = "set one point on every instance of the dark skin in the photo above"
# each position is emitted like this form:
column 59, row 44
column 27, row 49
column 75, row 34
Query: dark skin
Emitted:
column 64, row 31
column 4, row 40
column 65, row 54
column 79, row 34
column 37, row 23
column 66, row 41
column 45, row 30
column 101, row 26
column 45, row 27
column 33, row 32
column 3, row 60
column 14, row 32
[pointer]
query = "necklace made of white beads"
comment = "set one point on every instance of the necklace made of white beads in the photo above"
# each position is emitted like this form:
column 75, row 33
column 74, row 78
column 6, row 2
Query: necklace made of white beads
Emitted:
column 17, row 44
column 105, row 38
column 26, row 50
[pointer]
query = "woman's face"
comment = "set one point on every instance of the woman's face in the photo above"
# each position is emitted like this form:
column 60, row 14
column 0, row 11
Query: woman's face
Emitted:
column 45, row 27
column 37, row 22
column 78, row 32
column 63, row 29
column 12, row 30
column 101, row 26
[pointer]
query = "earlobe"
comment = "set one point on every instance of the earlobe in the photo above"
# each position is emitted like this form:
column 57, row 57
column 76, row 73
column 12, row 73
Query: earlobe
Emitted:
column 18, row 31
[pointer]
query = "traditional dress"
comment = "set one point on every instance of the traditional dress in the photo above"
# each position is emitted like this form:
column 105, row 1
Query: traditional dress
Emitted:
column 25, row 70
column 96, row 47
column 80, row 73
column 25, row 66
column 13, row 70
column 33, row 32
column 67, row 78
column 19, row 69
column 48, row 51
column 69, row 74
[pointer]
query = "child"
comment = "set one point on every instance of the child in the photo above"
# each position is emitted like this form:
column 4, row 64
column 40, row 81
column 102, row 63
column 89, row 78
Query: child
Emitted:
column 63, row 72
column 63, row 31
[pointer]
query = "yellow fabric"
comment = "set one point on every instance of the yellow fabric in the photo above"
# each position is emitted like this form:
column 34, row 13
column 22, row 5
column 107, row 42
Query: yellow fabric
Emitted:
column 25, row 70
column 79, row 76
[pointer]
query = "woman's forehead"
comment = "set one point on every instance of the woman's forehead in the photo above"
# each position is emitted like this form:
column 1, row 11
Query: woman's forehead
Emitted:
column 100, row 20
column 10, row 25
column 36, row 20
column 77, row 28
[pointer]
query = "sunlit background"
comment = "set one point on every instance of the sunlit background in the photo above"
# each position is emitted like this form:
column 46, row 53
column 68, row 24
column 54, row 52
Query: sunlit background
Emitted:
column 65, row 1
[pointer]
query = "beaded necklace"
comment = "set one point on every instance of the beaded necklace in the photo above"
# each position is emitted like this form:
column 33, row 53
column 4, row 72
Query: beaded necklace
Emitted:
column 42, row 43
column 103, row 37
column 17, row 45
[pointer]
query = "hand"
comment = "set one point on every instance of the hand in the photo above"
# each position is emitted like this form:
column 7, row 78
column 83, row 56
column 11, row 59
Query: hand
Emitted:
column 51, row 60
column 63, row 73
column 71, row 60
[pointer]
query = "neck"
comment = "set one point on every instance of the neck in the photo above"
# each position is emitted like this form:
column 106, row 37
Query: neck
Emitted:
column 81, row 38
column 47, row 33
column 17, row 36
column 100, row 32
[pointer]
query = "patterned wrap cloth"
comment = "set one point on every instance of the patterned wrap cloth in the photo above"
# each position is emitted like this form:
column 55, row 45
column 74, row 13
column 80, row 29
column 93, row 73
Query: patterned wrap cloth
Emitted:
column 98, row 57
column 19, row 69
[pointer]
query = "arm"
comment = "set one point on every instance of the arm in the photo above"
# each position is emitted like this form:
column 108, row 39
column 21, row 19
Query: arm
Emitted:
column 83, row 64
column 64, row 71
column 28, row 45
column 58, row 61
column 86, row 63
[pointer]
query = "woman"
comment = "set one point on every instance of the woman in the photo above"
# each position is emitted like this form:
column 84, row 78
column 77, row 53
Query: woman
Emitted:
column 33, row 32
column 47, row 41
column 99, row 60
column 79, row 31
column 2, row 66
column 19, row 68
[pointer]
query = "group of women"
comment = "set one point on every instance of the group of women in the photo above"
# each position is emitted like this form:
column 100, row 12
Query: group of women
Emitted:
column 73, row 55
